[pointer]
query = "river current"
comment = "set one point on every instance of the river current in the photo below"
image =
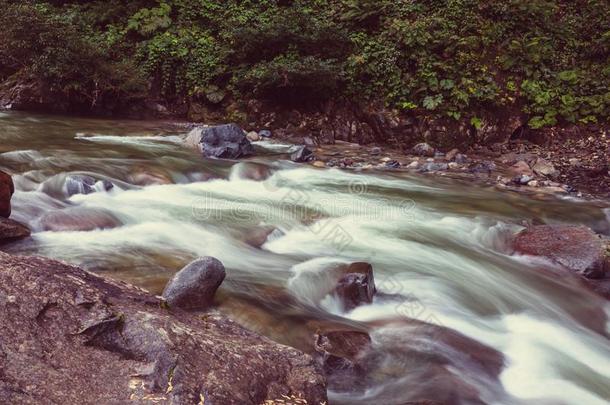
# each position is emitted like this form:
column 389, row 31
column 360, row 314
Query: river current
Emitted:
column 439, row 249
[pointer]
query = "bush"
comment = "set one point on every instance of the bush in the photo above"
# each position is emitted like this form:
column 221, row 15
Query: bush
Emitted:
column 446, row 58
column 70, row 63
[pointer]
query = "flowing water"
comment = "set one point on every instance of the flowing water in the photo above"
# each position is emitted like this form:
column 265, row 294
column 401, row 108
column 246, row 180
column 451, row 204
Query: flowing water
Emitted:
column 438, row 248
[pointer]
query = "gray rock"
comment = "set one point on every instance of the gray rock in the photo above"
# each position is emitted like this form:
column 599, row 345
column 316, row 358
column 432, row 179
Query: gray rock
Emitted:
column 375, row 151
column 433, row 167
column 392, row 164
column 423, row 149
column 226, row 141
column 194, row 286
column 264, row 133
column 461, row 159
column 523, row 179
column 544, row 168
column 78, row 338
column 485, row 166
column 302, row 155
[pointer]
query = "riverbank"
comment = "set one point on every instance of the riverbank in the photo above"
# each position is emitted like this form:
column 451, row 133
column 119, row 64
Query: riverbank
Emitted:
column 75, row 337
column 567, row 162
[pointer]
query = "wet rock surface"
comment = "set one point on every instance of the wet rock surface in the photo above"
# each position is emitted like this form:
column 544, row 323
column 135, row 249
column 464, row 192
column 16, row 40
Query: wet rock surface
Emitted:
column 357, row 286
column 577, row 248
column 423, row 149
column 7, row 188
column 82, row 184
column 425, row 352
column 194, row 286
column 12, row 230
column 302, row 154
column 78, row 219
column 222, row 141
column 79, row 338
column 340, row 353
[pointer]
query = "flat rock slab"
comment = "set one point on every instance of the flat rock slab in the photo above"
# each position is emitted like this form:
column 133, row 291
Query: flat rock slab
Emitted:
column 576, row 248
column 77, row 338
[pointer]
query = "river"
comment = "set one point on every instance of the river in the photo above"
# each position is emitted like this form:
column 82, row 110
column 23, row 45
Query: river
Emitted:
column 438, row 248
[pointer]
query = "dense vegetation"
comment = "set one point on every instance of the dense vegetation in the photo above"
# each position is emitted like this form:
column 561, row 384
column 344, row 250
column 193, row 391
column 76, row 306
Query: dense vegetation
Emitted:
column 456, row 58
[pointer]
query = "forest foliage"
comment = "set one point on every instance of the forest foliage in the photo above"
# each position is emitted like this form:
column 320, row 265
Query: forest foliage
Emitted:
column 547, row 58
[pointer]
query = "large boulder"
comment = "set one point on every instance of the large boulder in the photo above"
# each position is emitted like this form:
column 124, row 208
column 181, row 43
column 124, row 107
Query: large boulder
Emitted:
column 576, row 248
column 194, row 286
column 226, row 141
column 12, row 230
column 543, row 167
column 7, row 188
column 75, row 337
column 423, row 149
column 357, row 286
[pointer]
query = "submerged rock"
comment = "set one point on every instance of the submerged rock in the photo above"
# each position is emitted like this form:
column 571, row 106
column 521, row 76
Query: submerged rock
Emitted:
column 11, row 231
column 340, row 352
column 75, row 337
column 7, row 188
column 576, row 248
column 444, row 366
column 251, row 171
column 78, row 219
column 194, row 286
column 226, row 141
column 82, row 184
column 149, row 176
column 302, row 155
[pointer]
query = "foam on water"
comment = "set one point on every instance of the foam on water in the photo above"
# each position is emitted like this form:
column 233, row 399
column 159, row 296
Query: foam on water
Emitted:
column 445, row 266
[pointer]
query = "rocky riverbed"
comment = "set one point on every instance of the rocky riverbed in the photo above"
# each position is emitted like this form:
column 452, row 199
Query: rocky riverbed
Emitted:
column 378, row 283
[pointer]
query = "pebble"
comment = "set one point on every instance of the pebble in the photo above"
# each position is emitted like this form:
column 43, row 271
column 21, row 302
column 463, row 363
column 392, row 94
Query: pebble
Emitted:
column 533, row 183
column 375, row 151
column 452, row 154
column 459, row 158
column 253, row 136
column 575, row 162
column 392, row 164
